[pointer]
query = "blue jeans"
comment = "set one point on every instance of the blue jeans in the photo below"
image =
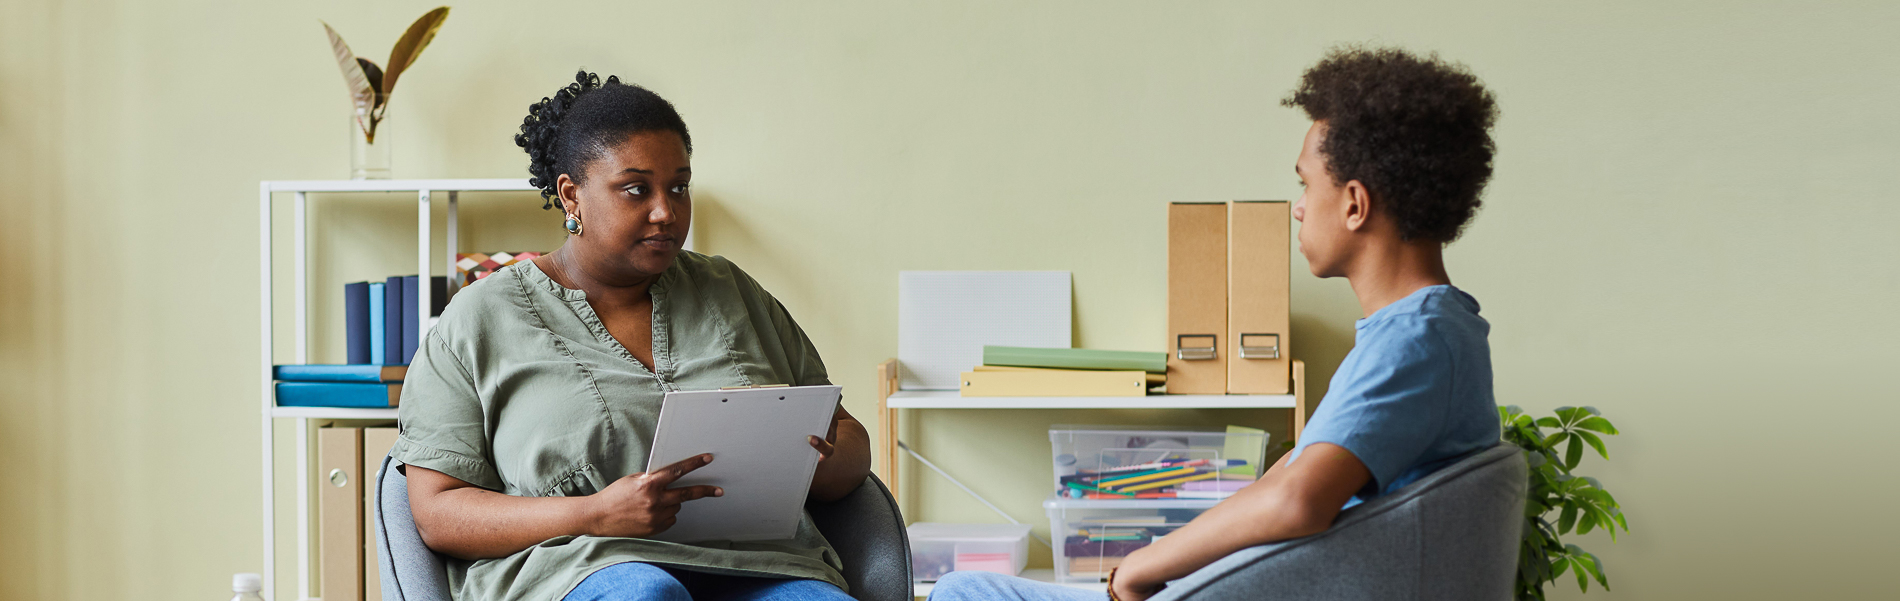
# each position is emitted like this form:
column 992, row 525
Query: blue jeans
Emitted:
column 643, row 582
column 987, row 586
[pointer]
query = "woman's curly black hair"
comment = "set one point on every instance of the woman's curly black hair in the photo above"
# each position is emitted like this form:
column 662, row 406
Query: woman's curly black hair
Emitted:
column 1415, row 131
column 564, row 133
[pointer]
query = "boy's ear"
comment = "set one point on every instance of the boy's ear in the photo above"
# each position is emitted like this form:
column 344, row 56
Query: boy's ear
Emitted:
column 1358, row 206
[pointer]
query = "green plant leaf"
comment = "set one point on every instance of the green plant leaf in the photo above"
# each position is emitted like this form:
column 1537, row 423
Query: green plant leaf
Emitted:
column 1597, row 424
column 1573, row 455
column 1536, row 460
column 1559, row 566
column 1553, row 440
column 1592, row 410
column 1586, row 523
column 1595, row 443
column 1567, row 519
column 1621, row 522
column 1549, row 422
column 1601, row 572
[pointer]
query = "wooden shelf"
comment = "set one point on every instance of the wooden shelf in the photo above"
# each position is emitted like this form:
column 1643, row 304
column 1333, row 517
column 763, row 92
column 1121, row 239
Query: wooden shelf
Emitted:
column 951, row 399
column 331, row 413
column 922, row 589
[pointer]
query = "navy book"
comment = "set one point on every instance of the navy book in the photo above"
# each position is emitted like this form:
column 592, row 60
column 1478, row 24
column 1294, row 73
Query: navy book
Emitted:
column 393, row 321
column 371, row 374
column 411, row 301
column 338, row 394
column 410, row 336
column 356, row 322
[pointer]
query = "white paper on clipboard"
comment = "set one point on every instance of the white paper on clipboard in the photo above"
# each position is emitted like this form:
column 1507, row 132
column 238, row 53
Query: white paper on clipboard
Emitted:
column 761, row 457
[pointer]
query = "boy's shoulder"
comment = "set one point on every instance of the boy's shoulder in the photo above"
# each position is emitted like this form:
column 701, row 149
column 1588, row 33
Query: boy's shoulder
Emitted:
column 1442, row 314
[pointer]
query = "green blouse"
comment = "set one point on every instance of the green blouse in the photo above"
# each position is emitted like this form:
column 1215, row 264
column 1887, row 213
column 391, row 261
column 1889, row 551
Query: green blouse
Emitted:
column 520, row 389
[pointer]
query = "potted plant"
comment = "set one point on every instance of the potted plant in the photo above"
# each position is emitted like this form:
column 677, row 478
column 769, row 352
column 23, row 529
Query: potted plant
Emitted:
column 1579, row 503
column 370, row 86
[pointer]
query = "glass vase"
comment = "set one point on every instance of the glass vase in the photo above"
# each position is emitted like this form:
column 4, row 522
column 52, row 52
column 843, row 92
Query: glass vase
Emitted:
column 369, row 150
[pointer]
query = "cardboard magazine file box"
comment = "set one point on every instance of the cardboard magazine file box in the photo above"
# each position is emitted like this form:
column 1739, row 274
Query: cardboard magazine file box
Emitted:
column 340, row 513
column 1259, row 246
column 1197, row 298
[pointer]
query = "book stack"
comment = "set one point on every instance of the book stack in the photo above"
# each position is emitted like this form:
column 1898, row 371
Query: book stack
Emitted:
column 358, row 386
column 1097, row 545
column 1013, row 371
column 380, row 318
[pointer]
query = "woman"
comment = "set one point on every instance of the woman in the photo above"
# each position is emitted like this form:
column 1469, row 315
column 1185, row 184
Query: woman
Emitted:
column 529, row 410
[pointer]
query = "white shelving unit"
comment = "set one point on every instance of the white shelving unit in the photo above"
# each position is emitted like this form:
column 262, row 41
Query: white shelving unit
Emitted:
column 950, row 399
column 890, row 400
column 425, row 190
column 922, row 589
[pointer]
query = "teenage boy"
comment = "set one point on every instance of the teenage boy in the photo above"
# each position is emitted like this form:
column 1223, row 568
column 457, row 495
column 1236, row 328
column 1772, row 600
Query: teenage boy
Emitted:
column 1393, row 166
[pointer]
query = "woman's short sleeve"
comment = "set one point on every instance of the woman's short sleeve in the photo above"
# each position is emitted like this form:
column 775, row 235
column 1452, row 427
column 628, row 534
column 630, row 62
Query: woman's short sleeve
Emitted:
column 442, row 424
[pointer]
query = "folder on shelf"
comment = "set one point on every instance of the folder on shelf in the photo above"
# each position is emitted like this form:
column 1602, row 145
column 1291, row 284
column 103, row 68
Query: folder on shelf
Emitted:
column 1154, row 379
column 369, row 374
column 340, row 513
column 1074, row 358
column 1054, row 383
column 376, row 444
column 1257, row 321
column 1197, row 298
column 338, row 394
column 944, row 318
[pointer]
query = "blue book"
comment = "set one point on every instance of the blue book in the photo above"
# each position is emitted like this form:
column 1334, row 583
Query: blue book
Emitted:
column 411, row 303
column 356, row 322
column 411, row 337
column 372, row 374
column 377, row 352
column 338, row 394
column 393, row 321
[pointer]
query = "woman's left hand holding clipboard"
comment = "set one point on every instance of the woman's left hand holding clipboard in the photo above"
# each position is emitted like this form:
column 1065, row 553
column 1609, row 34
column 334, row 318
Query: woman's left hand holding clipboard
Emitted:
column 844, row 458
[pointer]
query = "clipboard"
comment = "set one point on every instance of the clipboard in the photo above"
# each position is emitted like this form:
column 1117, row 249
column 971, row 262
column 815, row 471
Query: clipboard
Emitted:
column 760, row 457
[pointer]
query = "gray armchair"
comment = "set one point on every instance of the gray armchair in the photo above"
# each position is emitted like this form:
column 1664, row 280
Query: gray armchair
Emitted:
column 1452, row 536
column 864, row 528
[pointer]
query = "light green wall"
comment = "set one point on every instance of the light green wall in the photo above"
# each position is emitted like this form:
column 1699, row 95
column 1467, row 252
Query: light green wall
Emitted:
column 1691, row 228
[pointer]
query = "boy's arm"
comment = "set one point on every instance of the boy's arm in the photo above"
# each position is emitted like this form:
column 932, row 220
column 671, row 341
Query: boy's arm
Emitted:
column 1289, row 501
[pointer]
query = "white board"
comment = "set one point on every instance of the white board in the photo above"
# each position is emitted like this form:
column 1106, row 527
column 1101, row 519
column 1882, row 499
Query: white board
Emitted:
column 761, row 457
column 944, row 318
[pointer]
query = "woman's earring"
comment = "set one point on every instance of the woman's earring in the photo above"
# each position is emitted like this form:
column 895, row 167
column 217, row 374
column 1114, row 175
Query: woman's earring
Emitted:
column 573, row 224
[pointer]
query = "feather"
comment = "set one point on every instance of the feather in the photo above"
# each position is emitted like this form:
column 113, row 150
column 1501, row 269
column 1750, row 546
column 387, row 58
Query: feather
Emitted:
column 375, row 75
column 410, row 46
column 353, row 77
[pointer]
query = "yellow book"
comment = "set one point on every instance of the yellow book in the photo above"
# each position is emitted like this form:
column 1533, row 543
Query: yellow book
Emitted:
column 1054, row 383
column 1154, row 379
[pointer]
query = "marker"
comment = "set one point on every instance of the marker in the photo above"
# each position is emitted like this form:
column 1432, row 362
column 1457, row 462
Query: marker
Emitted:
column 1170, row 481
column 1120, row 482
column 1085, row 487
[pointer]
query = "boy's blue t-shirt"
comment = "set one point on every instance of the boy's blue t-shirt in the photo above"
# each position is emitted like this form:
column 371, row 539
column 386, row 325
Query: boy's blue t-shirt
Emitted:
column 1414, row 395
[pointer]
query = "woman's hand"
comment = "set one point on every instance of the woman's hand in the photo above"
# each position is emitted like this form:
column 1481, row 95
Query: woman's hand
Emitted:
column 844, row 458
column 641, row 505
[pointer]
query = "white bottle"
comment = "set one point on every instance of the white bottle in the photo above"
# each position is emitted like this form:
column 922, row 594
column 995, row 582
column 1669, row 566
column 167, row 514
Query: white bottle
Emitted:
column 246, row 586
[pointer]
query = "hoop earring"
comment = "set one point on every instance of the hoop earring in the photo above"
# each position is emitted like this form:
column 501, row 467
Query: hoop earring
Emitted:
column 572, row 224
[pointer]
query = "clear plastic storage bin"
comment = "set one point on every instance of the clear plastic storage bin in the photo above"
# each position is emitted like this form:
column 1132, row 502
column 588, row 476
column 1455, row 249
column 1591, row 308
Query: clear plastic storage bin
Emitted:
column 937, row 549
column 1092, row 537
column 1133, row 462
